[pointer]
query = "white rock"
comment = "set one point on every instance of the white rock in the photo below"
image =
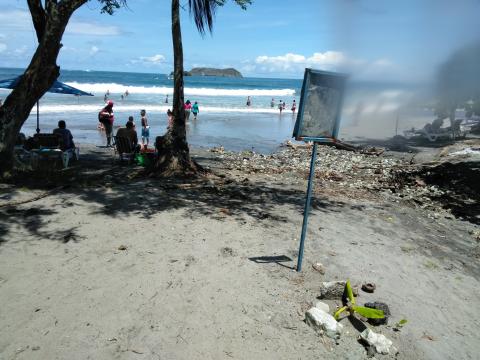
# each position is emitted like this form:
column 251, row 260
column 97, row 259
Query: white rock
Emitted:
column 322, row 306
column 381, row 344
column 323, row 322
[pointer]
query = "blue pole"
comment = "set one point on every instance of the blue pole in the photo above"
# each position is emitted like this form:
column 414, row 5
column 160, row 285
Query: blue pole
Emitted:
column 307, row 207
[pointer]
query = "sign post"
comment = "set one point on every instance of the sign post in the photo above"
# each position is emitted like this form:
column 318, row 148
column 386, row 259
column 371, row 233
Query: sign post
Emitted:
column 307, row 206
column 318, row 121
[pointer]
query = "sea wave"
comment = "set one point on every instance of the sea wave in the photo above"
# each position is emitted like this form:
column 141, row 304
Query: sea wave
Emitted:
column 150, row 108
column 114, row 88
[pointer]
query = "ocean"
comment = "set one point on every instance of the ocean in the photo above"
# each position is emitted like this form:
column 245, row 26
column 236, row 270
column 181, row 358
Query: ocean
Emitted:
column 371, row 109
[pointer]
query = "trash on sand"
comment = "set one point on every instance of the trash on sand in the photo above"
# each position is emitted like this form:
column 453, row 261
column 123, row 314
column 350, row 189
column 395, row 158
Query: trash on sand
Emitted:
column 351, row 308
column 122, row 247
column 319, row 267
column 379, row 306
column 381, row 344
column 369, row 287
column 323, row 322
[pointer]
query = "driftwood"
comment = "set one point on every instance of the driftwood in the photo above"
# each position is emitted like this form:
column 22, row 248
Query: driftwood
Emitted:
column 342, row 146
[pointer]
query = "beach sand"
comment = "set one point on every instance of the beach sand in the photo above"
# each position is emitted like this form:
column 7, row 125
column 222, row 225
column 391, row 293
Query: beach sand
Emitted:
column 117, row 268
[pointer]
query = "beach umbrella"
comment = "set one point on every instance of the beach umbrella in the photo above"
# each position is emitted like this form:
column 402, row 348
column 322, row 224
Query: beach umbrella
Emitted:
column 57, row 87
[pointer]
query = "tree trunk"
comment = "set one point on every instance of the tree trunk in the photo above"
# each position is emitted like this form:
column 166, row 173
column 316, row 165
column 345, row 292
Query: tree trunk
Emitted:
column 37, row 78
column 174, row 155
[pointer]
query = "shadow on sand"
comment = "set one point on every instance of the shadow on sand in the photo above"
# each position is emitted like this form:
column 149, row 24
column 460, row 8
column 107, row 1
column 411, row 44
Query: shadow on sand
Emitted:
column 114, row 190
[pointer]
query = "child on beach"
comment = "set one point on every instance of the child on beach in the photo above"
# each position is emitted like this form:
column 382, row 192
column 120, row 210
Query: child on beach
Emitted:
column 249, row 101
column 280, row 106
column 130, row 118
column 272, row 103
column 294, row 106
column 145, row 129
column 195, row 110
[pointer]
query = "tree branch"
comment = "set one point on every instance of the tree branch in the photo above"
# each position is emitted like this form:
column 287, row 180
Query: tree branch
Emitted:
column 69, row 6
column 38, row 17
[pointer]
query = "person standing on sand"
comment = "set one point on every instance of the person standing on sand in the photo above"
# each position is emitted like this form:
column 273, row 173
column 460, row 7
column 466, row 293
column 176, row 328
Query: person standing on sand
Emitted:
column 195, row 110
column 187, row 107
column 166, row 99
column 145, row 129
column 280, row 106
column 294, row 106
column 105, row 116
column 249, row 101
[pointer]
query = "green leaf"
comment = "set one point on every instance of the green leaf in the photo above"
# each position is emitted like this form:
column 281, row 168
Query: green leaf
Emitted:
column 401, row 322
column 368, row 312
column 337, row 314
column 350, row 292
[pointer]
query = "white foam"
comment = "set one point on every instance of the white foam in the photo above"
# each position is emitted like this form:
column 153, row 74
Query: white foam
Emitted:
column 114, row 88
column 94, row 109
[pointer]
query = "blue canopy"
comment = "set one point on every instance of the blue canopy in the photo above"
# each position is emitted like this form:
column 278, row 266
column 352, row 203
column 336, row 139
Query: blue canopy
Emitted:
column 57, row 87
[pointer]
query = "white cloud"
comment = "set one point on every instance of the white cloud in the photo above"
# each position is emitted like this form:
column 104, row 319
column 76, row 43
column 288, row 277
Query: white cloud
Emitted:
column 20, row 20
column 3, row 47
column 329, row 60
column 155, row 59
column 20, row 51
column 76, row 27
column 294, row 64
column 15, row 20
column 94, row 50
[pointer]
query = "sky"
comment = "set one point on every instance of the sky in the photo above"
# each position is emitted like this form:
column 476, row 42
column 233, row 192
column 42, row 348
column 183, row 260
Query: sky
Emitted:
column 391, row 40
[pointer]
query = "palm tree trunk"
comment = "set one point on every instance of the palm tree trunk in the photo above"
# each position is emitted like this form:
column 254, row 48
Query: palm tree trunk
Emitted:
column 174, row 154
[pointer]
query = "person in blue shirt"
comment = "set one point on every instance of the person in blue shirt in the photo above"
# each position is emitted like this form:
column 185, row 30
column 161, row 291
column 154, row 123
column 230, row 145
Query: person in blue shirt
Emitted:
column 195, row 110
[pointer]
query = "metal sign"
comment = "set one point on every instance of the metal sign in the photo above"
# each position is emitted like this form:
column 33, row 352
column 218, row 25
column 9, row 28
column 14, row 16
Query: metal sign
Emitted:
column 318, row 120
column 321, row 100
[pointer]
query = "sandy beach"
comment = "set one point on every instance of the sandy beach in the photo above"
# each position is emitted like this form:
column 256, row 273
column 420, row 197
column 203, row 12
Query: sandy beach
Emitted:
column 109, row 265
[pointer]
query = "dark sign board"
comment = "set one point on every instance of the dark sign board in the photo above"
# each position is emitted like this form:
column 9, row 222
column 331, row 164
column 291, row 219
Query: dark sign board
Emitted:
column 318, row 116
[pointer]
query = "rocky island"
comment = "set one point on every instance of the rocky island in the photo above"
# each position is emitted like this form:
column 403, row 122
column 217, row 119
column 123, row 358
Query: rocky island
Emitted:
column 203, row 71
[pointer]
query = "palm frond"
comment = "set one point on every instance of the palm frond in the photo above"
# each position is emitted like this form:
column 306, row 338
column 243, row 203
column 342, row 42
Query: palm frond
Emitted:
column 203, row 12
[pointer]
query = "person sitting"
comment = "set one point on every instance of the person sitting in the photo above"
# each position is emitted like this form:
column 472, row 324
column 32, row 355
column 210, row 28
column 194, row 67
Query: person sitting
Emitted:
column 65, row 135
column 129, row 132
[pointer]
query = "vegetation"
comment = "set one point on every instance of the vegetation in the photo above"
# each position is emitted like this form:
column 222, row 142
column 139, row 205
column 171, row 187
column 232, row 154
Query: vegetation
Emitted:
column 351, row 308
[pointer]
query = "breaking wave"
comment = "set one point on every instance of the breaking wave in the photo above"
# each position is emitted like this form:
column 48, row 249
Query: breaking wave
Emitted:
column 150, row 108
column 114, row 88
